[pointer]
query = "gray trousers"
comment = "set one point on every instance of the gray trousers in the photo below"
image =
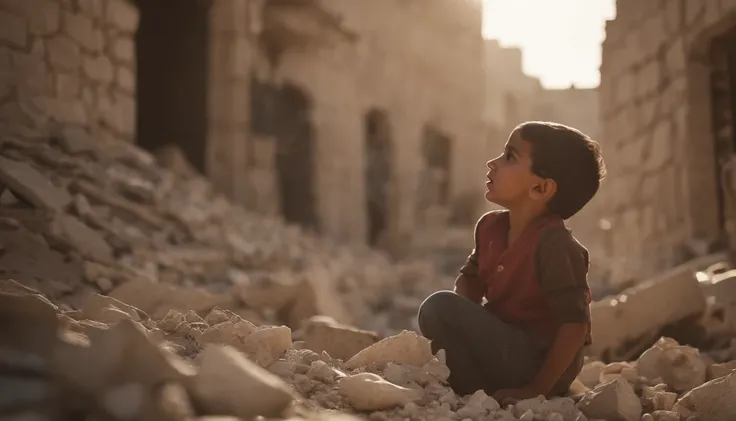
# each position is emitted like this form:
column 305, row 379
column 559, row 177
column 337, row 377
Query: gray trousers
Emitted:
column 482, row 351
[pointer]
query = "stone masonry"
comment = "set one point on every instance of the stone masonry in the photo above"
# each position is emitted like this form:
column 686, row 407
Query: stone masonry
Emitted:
column 72, row 67
column 418, row 66
column 67, row 66
column 665, row 139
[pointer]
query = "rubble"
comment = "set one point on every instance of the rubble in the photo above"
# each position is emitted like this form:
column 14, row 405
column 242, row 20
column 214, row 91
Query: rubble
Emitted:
column 104, row 218
column 130, row 293
column 132, row 366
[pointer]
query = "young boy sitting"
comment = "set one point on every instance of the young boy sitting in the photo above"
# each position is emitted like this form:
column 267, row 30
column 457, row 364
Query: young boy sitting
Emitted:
column 527, row 339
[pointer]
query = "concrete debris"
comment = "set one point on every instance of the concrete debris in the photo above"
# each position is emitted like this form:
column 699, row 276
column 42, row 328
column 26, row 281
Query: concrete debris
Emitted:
column 129, row 293
column 161, row 241
column 126, row 365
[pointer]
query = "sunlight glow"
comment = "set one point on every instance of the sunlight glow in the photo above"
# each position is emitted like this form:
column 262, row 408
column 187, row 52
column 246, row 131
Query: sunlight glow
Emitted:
column 560, row 39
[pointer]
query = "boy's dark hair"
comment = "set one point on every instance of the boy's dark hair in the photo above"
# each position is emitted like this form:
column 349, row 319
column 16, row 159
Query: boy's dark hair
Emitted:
column 570, row 158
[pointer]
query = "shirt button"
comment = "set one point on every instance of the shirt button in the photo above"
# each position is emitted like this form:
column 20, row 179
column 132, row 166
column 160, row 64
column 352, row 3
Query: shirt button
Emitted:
column 500, row 268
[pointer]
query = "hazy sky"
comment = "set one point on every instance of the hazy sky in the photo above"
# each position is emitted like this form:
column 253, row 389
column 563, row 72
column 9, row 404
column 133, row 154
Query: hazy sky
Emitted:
column 560, row 39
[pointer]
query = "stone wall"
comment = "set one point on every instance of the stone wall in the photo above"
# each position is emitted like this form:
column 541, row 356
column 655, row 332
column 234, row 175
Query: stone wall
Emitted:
column 661, row 201
column 418, row 66
column 67, row 67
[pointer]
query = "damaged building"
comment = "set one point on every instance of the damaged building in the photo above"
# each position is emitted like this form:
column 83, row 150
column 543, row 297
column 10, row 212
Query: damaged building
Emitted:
column 667, row 98
column 358, row 121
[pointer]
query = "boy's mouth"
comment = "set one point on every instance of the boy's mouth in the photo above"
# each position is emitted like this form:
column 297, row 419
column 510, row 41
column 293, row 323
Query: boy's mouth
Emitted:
column 488, row 176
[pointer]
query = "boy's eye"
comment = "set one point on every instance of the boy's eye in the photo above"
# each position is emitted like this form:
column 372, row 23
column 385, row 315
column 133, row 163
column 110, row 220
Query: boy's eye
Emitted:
column 507, row 155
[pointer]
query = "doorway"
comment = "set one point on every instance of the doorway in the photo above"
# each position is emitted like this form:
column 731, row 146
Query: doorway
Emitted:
column 378, row 172
column 172, row 55
column 436, row 151
column 283, row 113
column 723, row 107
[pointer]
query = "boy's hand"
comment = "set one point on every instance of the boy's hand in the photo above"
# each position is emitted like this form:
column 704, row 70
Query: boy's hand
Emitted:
column 507, row 397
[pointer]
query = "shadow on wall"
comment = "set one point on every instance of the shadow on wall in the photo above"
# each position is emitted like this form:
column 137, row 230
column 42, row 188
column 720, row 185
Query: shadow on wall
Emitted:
column 172, row 55
column 378, row 174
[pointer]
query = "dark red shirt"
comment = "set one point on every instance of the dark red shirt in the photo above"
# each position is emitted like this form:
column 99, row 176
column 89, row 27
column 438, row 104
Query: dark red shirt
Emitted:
column 538, row 282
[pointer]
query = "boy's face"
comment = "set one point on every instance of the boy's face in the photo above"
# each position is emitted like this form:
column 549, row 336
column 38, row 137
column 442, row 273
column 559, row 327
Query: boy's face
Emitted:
column 511, row 182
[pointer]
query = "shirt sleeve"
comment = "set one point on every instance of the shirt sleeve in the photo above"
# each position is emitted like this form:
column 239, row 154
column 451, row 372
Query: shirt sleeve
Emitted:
column 562, row 272
column 470, row 268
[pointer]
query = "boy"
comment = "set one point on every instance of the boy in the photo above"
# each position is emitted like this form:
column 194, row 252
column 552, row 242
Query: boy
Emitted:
column 527, row 339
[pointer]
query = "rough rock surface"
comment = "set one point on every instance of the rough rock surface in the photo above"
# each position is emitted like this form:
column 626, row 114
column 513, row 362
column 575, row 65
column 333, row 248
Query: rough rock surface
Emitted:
column 63, row 363
column 128, row 292
column 105, row 218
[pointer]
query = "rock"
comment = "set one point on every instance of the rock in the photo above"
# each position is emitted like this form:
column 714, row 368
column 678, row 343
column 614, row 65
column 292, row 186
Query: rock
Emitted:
column 662, row 416
column 29, row 349
column 267, row 344
column 370, row 392
column 118, row 355
column 712, row 401
column 721, row 370
column 26, row 182
column 340, row 341
column 613, row 401
column 157, row 299
column 665, row 299
column 228, row 333
column 659, row 398
column 405, row 348
column 229, row 384
column 97, row 307
column 590, row 374
column 560, row 408
column 612, row 371
column 681, row 367
column 80, row 237
column 478, row 406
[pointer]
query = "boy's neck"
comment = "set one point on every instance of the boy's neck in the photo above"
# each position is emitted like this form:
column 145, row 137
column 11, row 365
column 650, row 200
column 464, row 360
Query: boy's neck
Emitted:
column 519, row 219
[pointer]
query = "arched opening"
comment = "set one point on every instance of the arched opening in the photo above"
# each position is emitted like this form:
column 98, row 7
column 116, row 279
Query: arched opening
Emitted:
column 283, row 113
column 172, row 55
column 378, row 172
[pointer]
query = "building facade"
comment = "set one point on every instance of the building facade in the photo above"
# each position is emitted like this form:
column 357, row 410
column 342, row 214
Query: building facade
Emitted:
column 362, row 122
column 667, row 94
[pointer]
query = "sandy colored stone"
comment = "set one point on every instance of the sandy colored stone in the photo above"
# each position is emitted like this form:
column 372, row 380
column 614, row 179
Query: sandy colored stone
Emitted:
column 667, row 298
column 230, row 384
column 338, row 340
column 721, row 370
column 406, row 348
column 32, row 186
column 614, row 401
column 78, row 236
column 712, row 400
column 370, row 392
column 157, row 299
column 118, row 355
column 267, row 344
column 228, row 333
column 97, row 308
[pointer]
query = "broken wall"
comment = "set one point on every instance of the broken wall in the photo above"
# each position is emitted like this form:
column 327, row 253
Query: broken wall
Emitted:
column 662, row 197
column 67, row 66
column 421, row 67
column 70, row 67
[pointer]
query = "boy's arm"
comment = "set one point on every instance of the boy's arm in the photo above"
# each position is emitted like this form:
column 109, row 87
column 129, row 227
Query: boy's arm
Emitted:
column 468, row 283
column 562, row 274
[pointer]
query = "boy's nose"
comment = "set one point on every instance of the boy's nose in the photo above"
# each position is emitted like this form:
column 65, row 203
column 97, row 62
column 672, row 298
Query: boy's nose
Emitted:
column 490, row 164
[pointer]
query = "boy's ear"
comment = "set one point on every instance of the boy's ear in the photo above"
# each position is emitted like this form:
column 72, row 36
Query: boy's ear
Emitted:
column 544, row 190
